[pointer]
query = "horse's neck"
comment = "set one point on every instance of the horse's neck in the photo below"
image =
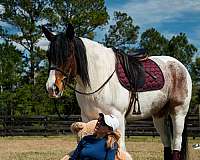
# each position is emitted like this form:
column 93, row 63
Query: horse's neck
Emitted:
column 101, row 62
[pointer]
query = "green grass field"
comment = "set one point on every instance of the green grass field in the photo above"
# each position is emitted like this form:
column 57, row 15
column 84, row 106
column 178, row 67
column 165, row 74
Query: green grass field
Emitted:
column 54, row 148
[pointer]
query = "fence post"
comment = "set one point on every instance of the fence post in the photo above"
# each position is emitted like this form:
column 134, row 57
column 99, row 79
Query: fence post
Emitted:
column 45, row 126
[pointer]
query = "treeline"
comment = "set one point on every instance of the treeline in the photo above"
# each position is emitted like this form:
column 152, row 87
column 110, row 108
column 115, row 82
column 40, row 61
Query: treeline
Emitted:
column 24, row 65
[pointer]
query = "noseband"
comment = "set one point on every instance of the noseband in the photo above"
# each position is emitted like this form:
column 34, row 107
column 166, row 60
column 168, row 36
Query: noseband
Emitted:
column 66, row 75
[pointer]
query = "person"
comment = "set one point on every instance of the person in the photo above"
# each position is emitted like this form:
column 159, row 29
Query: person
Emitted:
column 103, row 144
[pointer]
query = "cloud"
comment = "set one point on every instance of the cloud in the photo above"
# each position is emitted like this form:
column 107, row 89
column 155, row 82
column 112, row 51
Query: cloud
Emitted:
column 168, row 35
column 169, row 17
column 43, row 43
column 147, row 12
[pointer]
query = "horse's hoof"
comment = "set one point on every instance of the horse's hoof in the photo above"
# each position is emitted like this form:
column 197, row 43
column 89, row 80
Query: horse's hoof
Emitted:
column 176, row 155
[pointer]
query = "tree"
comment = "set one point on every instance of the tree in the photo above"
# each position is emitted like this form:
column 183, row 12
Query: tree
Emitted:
column 195, row 74
column 154, row 42
column 85, row 15
column 178, row 46
column 10, row 66
column 123, row 34
column 196, row 70
column 26, row 16
column 181, row 49
column 10, row 76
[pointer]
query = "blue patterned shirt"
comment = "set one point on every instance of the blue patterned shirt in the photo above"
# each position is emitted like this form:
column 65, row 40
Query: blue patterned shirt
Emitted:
column 92, row 148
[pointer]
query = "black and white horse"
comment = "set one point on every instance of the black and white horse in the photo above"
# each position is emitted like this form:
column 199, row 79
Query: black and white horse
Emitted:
column 92, row 64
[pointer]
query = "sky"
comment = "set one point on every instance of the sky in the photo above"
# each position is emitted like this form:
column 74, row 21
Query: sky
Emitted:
column 169, row 17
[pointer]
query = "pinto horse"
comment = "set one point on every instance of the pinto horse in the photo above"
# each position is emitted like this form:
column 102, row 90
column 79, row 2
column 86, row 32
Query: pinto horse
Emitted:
column 98, row 89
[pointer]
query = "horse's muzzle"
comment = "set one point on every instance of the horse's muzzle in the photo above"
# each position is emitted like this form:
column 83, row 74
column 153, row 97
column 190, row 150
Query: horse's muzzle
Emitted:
column 54, row 92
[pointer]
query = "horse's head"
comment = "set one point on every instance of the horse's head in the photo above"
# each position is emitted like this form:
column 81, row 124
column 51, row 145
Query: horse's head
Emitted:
column 62, row 61
column 67, row 58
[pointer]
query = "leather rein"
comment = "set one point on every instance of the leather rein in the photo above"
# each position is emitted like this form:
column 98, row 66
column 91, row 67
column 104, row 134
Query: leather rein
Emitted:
column 67, row 75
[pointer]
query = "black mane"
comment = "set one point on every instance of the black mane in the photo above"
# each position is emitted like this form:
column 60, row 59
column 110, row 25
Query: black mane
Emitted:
column 81, row 59
column 59, row 51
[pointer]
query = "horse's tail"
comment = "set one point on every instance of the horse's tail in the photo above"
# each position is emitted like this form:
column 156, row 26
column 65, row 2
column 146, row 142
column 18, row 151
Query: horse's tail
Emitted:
column 184, row 145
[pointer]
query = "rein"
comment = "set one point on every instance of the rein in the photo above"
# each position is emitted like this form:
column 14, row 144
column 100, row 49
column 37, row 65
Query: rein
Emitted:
column 72, row 88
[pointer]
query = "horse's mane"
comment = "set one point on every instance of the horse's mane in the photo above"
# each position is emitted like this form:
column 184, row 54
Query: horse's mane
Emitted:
column 81, row 59
column 59, row 51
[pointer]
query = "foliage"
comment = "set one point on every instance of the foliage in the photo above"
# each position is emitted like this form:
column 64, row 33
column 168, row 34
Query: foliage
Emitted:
column 195, row 73
column 178, row 46
column 23, row 73
column 123, row 34
column 181, row 49
column 10, row 60
column 25, row 83
column 155, row 43
column 26, row 16
column 10, row 75
column 85, row 15
column 196, row 70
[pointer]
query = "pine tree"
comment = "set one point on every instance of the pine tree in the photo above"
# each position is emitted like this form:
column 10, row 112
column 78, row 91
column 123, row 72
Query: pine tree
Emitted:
column 123, row 34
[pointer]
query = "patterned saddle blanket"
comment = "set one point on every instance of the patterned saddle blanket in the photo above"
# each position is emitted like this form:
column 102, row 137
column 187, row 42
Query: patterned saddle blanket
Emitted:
column 148, row 75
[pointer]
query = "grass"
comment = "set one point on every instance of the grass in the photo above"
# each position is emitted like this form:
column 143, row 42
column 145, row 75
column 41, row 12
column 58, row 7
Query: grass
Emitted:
column 54, row 148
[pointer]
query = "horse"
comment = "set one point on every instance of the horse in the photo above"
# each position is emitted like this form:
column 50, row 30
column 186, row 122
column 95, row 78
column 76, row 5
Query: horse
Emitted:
column 98, row 89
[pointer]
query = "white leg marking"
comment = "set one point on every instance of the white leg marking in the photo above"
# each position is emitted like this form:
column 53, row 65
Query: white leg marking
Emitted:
column 51, row 80
column 178, row 121
column 163, row 129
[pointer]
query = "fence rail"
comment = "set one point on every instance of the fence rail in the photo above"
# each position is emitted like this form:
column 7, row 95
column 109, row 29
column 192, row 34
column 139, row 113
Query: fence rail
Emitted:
column 53, row 125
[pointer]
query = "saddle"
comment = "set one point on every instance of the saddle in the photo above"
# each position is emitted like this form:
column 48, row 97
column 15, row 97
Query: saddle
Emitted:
column 129, row 69
column 137, row 73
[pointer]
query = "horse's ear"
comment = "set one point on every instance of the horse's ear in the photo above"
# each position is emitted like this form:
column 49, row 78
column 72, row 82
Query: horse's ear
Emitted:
column 70, row 31
column 47, row 33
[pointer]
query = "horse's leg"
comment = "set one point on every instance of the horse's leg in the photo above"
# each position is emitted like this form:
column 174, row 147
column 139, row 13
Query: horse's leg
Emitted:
column 122, row 129
column 178, row 120
column 121, row 119
column 84, row 117
column 162, row 127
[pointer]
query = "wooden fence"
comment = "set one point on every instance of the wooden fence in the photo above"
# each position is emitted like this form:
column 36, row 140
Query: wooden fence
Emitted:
column 53, row 125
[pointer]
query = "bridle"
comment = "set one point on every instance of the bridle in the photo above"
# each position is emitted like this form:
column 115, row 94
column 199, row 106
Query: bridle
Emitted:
column 66, row 83
column 67, row 76
column 71, row 74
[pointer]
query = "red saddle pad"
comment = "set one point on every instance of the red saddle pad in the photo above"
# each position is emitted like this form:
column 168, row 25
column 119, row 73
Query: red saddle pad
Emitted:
column 154, row 79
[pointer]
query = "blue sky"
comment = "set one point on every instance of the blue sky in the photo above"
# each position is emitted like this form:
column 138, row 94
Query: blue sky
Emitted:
column 169, row 17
